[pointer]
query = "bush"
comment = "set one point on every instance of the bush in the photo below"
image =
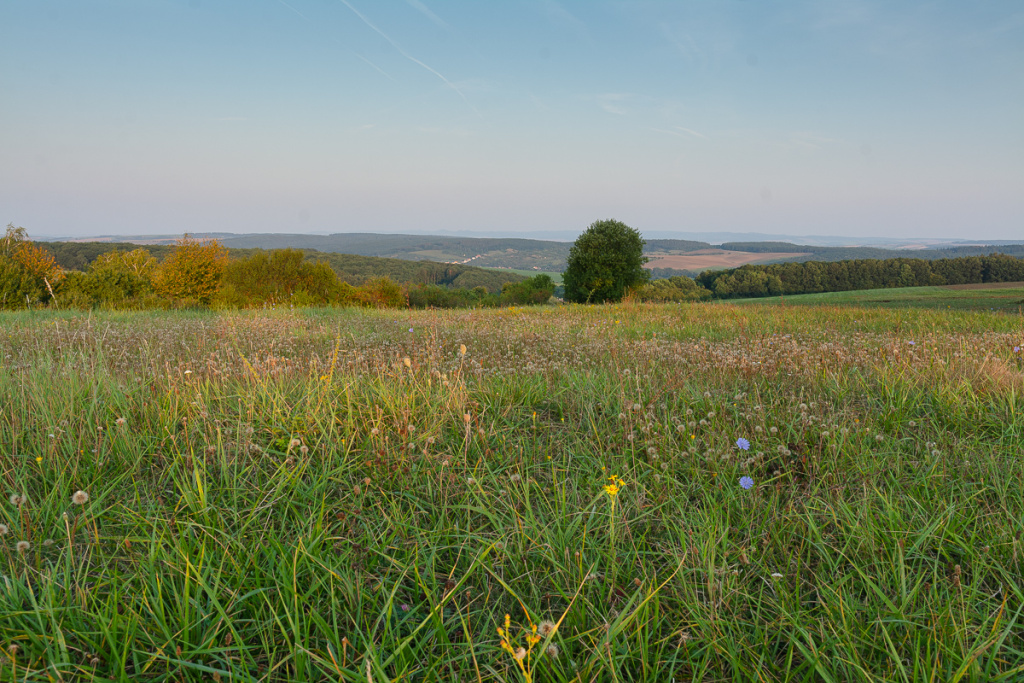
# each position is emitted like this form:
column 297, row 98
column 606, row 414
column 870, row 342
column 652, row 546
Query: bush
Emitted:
column 192, row 272
column 679, row 288
column 381, row 292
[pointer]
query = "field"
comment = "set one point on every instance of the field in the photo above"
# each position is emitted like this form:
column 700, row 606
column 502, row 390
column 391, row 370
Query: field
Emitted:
column 704, row 259
column 703, row 492
column 1005, row 297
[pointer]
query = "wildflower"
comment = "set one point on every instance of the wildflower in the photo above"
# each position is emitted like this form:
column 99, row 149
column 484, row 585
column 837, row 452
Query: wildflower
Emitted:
column 612, row 489
column 462, row 349
column 470, row 480
column 742, row 444
column 80, row 497
column 552, row 650
column 23, row 546
column 3, row 529
column 120, row 422
column 18, row 500
column 39, row 459
column 546, row 628
column 776, row 575
column 293, row 443
column 520, row 653
column 746, row 482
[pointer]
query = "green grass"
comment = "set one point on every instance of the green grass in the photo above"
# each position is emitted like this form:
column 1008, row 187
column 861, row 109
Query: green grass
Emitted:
column 333, row 495
column 1008, row 300
column 555, row 276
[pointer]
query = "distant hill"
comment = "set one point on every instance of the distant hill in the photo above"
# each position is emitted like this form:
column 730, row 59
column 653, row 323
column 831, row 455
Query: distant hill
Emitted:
column 522, row 254
column 668, row 256
column 352, row 268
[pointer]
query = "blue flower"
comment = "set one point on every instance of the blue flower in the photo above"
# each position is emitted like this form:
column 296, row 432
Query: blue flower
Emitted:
column 746, row 482
column 1016, row 349
column 742, row 444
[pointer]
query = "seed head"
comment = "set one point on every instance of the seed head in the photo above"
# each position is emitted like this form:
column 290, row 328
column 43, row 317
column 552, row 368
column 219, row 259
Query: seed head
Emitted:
column 80, row 497
column 23, row 546
column 546, row 628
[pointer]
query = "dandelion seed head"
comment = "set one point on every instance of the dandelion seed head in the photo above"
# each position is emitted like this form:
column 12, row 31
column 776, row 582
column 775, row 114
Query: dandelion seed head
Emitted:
column 23, row 546
column 80, row 497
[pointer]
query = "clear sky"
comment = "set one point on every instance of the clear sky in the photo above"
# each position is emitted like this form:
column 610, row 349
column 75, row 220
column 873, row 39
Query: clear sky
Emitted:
column 829, row 117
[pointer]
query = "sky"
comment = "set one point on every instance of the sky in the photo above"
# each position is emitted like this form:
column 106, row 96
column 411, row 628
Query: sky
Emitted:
column 826, row 117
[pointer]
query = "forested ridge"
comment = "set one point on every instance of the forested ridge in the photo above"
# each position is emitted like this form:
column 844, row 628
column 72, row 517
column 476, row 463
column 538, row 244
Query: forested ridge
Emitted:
column 841, row 276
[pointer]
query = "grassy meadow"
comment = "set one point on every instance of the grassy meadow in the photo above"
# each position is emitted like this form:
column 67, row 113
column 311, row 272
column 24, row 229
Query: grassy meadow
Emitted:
column 997, row 298
column 705, row 492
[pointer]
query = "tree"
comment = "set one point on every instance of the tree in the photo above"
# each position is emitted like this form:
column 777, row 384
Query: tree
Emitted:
column 604, row 262
column 192, row 272
column 28, row 273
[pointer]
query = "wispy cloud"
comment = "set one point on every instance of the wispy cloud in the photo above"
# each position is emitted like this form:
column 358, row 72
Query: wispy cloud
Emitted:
column 425, row 11
column 692, row 132
column 612, row 103
column 559, row 14
column 686, row 133
column 405, row 54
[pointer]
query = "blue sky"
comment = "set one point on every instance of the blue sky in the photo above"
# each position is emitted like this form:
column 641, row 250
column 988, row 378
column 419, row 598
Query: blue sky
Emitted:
column 846, row 117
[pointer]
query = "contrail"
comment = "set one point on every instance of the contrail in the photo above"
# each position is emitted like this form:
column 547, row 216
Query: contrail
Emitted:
column 374, row 65
column 407, row 55
column 293, row 9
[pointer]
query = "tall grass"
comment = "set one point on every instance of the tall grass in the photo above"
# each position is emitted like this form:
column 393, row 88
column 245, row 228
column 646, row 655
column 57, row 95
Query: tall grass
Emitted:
column 364, row 496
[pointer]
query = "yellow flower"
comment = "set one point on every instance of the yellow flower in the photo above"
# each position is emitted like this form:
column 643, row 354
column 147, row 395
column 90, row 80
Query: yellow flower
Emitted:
column 615, row 483
column 39, row 459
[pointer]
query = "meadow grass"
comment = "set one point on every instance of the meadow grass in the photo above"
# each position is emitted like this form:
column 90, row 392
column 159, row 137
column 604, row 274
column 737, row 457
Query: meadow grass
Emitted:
column 999, row 299
column 364, row 496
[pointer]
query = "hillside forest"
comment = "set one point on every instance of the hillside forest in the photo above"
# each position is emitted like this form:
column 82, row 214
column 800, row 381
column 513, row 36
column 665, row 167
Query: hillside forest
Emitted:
column 206, row 273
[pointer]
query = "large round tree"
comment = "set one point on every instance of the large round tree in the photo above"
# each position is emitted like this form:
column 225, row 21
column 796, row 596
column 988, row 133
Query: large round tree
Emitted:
column 605, row 261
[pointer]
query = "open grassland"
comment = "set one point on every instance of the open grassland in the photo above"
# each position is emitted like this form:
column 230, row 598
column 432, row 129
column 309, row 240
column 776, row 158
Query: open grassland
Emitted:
column 364, row 496
column 985, row 297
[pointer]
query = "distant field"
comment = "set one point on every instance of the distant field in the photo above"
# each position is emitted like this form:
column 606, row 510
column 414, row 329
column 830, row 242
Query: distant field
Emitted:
column 1006, row 297
column 715, row 258
column 556, row 277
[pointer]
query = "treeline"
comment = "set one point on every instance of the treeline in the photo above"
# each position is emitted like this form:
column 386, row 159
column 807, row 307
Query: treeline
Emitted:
column 860, row 253
column 193, row 273
column 841, row 276
column 351, row 268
